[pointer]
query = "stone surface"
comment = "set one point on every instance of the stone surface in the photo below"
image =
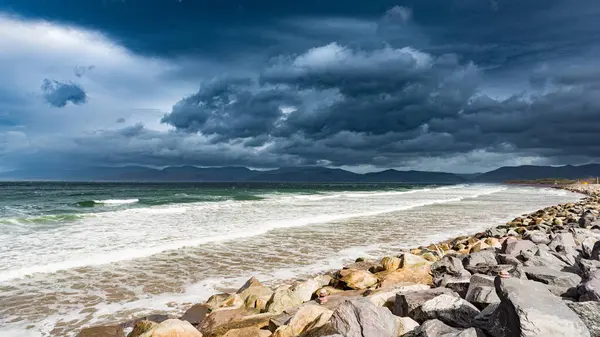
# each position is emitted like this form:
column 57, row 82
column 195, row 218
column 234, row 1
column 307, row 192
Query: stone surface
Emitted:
column 221, row 317
column 514, row 247
column 587, row 267
column 361, row 318
column 589, row 290
column 306, row 289
column 357, row 279
column 559, row 282
column 481, row 291
column 596, row 252
column 434, row 328
column 258, row 321
column 385, row 297
column 102, row 331
column 282, row 299
column 528, row 309
column 414, row 274
column 407, row 302
column 537, row 237
column 196, row 314
column 218, row 301
column 390, row 263
column 496, row 232
column 173, row 328
column 458, row 285
column 484, row 257
column 406, row 325
column 587, row 247
column 589, row 312
column 449, row 309
column 448, row 266
column 247, row 332
column 563, row 243
column 308, row 317
column 141, row 327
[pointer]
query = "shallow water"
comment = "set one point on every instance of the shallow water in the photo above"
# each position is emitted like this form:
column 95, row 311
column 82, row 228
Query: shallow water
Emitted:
column 124, row 259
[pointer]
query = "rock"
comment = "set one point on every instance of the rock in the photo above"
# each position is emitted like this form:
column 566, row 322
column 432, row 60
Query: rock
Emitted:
column 142, row 327
column 479, row 246
column 596, row 252
column 411, row 260
column 196, row 314
column 559, row 282
column 540, row 257
column 278, row 320
column 449, row 309
column 360, row 318
column 323, row 280
column 220, row 317
column 434, row 328
column 336, row 299
column 587, row 267
column 282, row 299
column 357, row 279
column 508, row 259
column 252, row 282
column 563, row 243
column 407, row 302
column 413, row 274
column 257, row 321
column 430, row 257
column 589, row 312
column 537, row 237
column 481, row 291
column 590, row 289
column 458, row 285
column 363, row 265
column 471, row 332
column 225, row 301
column 496, row 232
column 173, row 328
column 528, row 309
column 448, row 266
column 306, row 289
column 247, row 332
column 308, row 317
column 406, row 325
column 512, row 232
column 485, row 257
column 102, row 331
column 255, row 294
column 390, row 263
column 514, row 247
column 385, row 297
column 586, row 220
column 587, row 247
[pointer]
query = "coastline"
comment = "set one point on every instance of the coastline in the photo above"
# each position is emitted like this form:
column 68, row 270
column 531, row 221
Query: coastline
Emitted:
column 257, row 310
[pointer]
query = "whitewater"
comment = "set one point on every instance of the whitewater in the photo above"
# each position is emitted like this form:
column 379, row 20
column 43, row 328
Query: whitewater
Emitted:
column 125, row 255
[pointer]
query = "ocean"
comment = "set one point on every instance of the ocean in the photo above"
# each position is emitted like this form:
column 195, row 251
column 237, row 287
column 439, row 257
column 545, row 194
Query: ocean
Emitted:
column 80, row 254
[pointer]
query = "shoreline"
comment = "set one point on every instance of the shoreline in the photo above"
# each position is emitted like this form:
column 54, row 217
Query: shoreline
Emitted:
column 416, row 268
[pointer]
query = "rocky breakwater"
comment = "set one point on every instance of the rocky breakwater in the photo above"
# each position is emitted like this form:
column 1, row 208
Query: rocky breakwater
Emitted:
column 538, row 275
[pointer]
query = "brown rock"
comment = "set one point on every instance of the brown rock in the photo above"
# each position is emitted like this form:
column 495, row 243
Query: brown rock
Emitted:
column 222, row 317
column 224, row 301
column 247, row 332
column 173, row 328
column 196, row 314
column 357, row 279
column 283, row 298
column 390, row 263
column 415, row 274
column 102, row 331
column 141, row 328
column 410, row 260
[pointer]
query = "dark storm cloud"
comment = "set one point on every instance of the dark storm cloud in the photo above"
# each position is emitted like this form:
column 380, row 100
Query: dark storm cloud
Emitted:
column 58, row 94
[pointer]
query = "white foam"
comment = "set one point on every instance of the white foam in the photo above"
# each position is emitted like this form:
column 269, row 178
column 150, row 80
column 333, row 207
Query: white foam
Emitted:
column 117, row 201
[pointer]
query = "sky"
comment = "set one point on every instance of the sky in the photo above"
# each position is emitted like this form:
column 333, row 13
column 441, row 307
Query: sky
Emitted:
column 442, row 85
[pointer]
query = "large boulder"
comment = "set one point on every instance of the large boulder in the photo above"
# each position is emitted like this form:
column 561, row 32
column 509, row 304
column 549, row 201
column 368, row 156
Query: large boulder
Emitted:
column 102, row 331
column 196, row 314
column 589, row 312
column 258, row 321
column 589, row 290
column 434, row 328
column 537, row 237
column 542, row 257
column 559, row 283
column 419, row 273
column 220, row 317
column 141, row 327
column 255, row 294
column 563, row 243
column 449, row 309
column 306, row 289
column 409, row 260
column 528, row 309
column 407, row 303
column 587, row 267
column 448, row 266
column 360, row 318
column 485, row 257
column 229, row 301
column 481, row 291
column 514, row 247
column 390, row 263
column 357, row 279
column 173, row 328
column 385, row 297
column 587, row 247
column 247, row 332
column 595, row 255
column 308, row 317
column 282, row 299
column 406, row 325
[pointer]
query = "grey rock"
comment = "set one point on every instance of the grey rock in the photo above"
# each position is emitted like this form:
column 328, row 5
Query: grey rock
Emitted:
column 508, row 259
column 458, row 285
column 541, row 257
column 563, row 243
column 537, row 237
column 587, row 267
column 407, row 302
column 587, row 246
column 559, row 283
column 471, row 332
column 496, row 232
column 528, row 309
column 589, row 312
column 581, row 234
column 481, row 291
column 590, row 289
column 448, row 266
column 361, row 318
column 514, row 247
column 595, row 255
column 485, row 319
column 586, row 220
column 449, row 309
column 486, row 257
column 434, row 328
column 512, row 232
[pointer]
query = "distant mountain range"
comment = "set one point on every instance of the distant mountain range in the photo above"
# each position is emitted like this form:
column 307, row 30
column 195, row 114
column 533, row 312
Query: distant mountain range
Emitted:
column 296, row 174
